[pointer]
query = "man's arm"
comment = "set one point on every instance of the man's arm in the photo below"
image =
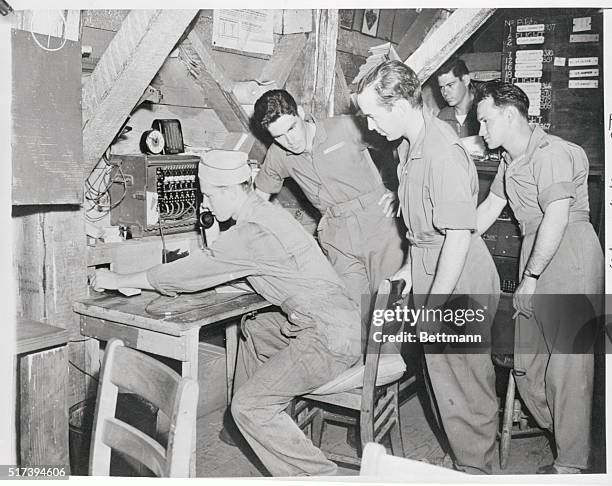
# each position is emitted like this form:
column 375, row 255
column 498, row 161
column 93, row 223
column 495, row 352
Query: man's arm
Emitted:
column 451, row 261
column 488, row 211
column 105, row 279
column 549, row 236
column 264, row 195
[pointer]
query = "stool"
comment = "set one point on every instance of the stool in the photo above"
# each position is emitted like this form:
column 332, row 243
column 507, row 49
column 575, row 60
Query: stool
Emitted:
column 513, row 414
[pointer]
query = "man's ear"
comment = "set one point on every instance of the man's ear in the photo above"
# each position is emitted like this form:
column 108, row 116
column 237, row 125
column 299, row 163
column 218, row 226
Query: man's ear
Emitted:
column 466, row 78
column 301, row 112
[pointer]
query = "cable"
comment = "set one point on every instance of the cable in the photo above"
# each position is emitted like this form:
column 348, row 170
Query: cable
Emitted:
column 83, row 371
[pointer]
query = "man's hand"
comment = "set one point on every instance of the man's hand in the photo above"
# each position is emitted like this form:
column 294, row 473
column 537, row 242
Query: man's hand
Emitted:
column 523, row 297
column 389, row 203
column 405, row 274
column 104, row 279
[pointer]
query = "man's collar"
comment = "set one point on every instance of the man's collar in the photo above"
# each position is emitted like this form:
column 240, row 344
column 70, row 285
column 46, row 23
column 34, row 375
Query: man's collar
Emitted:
column 416, row 151
column 535, row 140
column 247, row 207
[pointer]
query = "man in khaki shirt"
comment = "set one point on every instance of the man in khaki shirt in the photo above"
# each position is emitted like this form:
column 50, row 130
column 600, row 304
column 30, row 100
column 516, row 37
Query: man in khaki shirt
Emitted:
column 285, row 354
column 544, row 178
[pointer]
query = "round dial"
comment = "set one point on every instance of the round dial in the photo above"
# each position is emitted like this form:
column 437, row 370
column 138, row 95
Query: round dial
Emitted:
column 152, row 142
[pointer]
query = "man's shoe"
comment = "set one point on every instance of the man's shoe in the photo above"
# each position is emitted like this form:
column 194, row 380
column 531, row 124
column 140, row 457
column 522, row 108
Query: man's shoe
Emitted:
column 552, row 469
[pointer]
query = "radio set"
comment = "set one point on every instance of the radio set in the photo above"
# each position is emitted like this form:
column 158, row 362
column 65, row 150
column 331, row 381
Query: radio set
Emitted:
column 156, row 191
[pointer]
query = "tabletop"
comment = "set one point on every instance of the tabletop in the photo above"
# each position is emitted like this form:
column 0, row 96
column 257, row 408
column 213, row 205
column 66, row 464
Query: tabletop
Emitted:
column 169, row 315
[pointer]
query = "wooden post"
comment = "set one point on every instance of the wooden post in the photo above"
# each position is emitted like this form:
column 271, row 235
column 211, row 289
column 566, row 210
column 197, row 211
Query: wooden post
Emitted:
column 44, row 411
column 326, row 31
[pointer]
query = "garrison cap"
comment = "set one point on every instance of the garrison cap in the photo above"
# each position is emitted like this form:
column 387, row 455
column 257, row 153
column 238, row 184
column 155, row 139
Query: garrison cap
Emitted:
column 224, row 167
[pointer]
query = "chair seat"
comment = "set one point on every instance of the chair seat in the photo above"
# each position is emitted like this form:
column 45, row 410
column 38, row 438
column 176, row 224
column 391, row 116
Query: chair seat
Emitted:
column 390, row 368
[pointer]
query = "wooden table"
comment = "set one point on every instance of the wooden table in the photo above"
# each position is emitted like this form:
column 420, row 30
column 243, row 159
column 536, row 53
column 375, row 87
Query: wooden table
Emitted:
column 43, row 381
column 166, row 326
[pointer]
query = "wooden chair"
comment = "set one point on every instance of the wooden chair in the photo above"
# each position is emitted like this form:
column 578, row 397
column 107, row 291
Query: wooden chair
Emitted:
column 514, row 422
column 131, row 371
column 372, row 389
column 379, row 465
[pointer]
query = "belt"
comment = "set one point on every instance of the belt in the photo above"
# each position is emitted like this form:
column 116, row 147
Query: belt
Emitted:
column 531, row 226
column 364, row 201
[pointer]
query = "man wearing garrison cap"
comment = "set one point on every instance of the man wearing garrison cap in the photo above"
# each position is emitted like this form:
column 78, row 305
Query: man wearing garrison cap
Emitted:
column 313, row 340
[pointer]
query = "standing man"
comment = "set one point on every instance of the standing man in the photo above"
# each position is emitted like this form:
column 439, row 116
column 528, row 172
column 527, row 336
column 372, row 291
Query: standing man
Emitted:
column 330, row 162
column 544, row 178
column 314, row 340
column 456, row 88
column 438, row 190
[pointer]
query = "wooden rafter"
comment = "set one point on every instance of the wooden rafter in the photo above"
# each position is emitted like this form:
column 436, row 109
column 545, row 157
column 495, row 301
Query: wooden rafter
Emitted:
column 442, row 43
column 342, row 95
column 126, row 68
column 417, row 32
column 227, row 106
column 286, row 52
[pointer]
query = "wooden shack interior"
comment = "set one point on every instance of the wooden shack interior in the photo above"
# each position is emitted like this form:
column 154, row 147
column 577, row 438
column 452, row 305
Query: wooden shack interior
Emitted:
column 86, row 85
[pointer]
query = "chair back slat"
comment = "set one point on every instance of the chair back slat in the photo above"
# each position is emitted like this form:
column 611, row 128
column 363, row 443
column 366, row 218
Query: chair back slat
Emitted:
column 145, row 376
column 128, row 440
column 135, row 372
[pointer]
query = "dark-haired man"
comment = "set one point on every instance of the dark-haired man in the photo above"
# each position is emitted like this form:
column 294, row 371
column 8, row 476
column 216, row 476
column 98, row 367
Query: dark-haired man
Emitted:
column 456, row 89
column 544, row 178
column 330, row 162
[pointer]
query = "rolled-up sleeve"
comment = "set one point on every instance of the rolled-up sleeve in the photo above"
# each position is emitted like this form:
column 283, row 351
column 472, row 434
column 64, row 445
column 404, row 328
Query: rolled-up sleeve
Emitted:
column 497, row 186
column 273, row 171
column 229, row 258
column 553, row 172
column 453, row 203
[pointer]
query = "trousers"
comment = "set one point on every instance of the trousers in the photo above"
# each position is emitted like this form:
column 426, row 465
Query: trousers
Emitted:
column 554, row 373
column 364, row 247
column 271, row 370
column 464, row 383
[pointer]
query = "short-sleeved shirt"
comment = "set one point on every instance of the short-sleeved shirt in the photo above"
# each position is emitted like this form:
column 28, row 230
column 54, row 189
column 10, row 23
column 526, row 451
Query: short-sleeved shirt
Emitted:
column 438, row 185
column 282, row 262
column 551, row 169
column 469, row 127
column 338, row 169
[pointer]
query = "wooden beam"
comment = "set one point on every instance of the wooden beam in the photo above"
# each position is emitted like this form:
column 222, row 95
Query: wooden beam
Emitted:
column 286, row 53
column 342, row 95
column 442, row 43
column 224, row 102
column 326, row 28
column 126, row 68
column 416, row 33
column 227, row 106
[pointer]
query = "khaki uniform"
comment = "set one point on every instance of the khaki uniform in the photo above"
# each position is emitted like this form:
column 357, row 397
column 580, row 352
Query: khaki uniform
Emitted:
column 469, row 127
column 339, row 178
column 438, row 191
column 314, row 339
column 556, row 384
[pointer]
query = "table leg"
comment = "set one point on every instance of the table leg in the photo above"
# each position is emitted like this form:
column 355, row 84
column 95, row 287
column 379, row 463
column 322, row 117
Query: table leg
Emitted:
column 231, row 352
column 189, row 368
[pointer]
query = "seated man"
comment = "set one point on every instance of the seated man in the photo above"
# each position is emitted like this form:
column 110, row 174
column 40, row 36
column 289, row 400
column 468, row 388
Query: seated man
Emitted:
column 330, row 162
column 314, row 340
column 456, row 89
